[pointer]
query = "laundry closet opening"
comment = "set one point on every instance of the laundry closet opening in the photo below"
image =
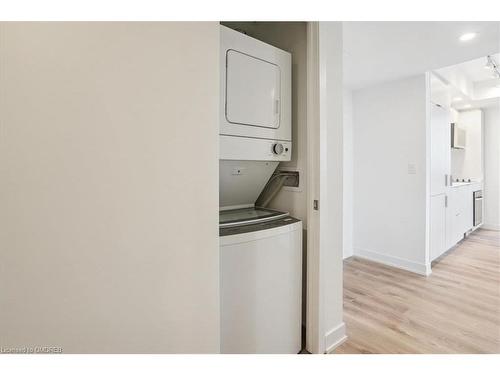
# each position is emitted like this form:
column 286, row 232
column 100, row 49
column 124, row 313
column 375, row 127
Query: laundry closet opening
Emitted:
column 262, row 186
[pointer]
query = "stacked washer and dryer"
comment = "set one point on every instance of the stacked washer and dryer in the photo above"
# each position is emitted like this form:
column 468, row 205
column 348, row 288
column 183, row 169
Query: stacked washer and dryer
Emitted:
column 260, row 248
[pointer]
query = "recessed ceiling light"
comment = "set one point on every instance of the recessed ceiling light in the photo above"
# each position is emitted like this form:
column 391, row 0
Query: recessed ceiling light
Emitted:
column 467, row 106
column 457, row 99
column 467, row 36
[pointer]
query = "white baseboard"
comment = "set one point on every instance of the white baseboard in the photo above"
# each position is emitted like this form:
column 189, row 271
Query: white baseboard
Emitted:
column 335, row 337
column 490, row 226
column 408, row 265
column 347, row 254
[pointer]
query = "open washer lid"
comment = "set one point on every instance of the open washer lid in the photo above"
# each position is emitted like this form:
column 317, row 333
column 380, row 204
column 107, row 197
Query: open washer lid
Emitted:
column 246, row 216
column 242, row 181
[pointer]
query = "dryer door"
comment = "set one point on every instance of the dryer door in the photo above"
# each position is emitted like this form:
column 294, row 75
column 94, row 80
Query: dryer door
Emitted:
column 252, row 91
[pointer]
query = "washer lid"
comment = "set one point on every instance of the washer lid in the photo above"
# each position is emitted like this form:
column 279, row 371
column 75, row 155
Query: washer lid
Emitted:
column 242, row 181
column 286, row 221
column 245, row 216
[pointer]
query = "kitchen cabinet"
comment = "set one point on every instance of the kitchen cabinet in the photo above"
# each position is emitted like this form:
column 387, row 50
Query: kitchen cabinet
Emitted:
column 466, row 208
column 453, row 218
column 438, row 226
column 459, row 213
column 440, row 138
column 451, row 205
column 450, row 219
column 439, row 179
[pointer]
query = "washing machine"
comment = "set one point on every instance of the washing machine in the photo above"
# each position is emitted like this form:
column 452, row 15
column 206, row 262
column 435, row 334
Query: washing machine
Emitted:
column 260, row 281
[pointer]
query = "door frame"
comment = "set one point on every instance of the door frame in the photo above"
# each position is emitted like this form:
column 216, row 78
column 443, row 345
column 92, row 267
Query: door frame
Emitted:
column 325, row 328
column 315, row 300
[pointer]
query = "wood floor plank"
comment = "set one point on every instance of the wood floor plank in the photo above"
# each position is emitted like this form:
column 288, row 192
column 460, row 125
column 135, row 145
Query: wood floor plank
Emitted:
column 454, row 310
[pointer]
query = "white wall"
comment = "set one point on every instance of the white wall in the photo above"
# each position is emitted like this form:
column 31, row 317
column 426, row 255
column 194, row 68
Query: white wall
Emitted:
column 389, row 201
column 347, row 175
column 109, row 188
column 468, row 163
column 492, row 168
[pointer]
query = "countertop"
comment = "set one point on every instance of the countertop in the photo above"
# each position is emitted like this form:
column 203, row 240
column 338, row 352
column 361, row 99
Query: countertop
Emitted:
column 460, row 183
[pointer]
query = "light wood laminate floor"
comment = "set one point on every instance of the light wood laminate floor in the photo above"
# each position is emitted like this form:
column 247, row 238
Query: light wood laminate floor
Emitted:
column 454, row 310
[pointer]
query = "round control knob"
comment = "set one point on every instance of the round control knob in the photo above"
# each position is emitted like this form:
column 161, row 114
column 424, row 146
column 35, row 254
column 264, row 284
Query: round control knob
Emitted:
column 278, row 148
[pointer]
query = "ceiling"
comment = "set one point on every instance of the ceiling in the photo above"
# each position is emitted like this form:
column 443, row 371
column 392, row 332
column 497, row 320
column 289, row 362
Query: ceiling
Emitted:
column 475, row 69
column 376, row 52
column 470, row 84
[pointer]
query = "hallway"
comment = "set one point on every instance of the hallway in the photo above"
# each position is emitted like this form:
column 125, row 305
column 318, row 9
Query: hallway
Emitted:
column 454, row 310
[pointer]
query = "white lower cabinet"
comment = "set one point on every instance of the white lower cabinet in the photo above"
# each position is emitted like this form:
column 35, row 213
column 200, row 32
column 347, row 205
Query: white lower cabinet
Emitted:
column 454, row 217
column 460, row 204
column 450, row 218
column 467, row 198
column 438, row 226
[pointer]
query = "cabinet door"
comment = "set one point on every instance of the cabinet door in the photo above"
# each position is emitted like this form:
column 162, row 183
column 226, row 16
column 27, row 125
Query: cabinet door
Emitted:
column 440, row 149
column 438, row 226
column 468, row 208
column 450, row 219
column 454, row 217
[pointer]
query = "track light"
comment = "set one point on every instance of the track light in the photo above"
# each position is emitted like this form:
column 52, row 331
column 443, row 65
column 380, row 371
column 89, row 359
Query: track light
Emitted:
column 488, row 65
column 493, row 66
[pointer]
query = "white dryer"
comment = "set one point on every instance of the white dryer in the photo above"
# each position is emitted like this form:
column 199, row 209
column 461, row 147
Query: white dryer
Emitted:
column 255, row 116
column 255, row 99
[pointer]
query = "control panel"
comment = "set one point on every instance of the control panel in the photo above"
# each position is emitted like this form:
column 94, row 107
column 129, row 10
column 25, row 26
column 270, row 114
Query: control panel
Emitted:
column 240, row 148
